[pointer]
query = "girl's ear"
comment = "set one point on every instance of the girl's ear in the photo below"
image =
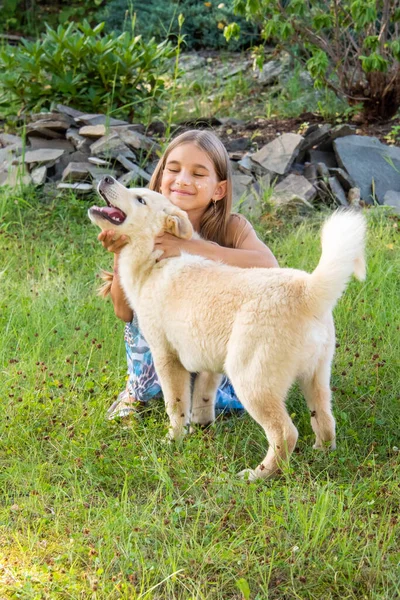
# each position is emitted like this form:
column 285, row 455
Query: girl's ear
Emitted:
column 177, row 222
column 220, row 190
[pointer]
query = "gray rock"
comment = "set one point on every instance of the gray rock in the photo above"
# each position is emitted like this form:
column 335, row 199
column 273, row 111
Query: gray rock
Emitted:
column 53, row 120
column 138, row 141
column 323, row 171
column 189, row 61
column 135, row 173
column 75, row 171
column 278, row 155
column 310, row 172
column 93, row 131
column 100, row 162
column 294, row 187
column 39, row 175
column 392, row 198
column 270, row 72
column 337, row 191
column 80, row 188
column 240, row 188
column 344, row 178
column 67, row 110
column 37, row 143
column 110, row 146
column 7, row 139
column 97, row 119
column 43, row 155
column 78, row 141
column 328, row 158
column 45, row 132
column 316, row 137
column 336, row 132
column 370, row 164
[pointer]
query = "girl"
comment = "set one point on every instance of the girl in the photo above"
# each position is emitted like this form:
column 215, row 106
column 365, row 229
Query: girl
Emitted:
column 195, row 174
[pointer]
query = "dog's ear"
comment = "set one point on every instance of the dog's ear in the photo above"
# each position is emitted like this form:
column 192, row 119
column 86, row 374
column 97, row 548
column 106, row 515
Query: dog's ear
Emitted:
column 177, row 222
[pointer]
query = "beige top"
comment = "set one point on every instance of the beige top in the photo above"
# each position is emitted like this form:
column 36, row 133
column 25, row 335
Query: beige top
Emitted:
column 238, row 230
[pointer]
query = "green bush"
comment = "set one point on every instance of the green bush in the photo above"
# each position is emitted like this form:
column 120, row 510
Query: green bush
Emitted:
column 351, row 47
column 203, row 26
column 77, row 65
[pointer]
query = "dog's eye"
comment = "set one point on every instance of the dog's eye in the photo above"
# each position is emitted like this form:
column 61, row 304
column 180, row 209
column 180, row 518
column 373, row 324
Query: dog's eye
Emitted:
column 141, row 200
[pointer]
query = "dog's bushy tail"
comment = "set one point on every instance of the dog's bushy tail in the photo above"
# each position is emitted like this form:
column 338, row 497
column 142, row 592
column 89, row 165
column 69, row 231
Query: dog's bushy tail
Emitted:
column 105, row 289
column 343, row 243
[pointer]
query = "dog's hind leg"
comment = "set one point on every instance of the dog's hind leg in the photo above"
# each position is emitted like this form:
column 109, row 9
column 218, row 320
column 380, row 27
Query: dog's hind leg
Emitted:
column 267, row 407
column 175, row 385
column 204, row 393
column 317, row 392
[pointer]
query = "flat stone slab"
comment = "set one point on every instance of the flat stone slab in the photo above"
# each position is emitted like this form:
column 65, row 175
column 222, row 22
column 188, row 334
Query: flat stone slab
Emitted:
column 278, row 155
column 338, row 191
column 138, row 141
column 43, row 155
column 392, row 198
column 93, row 131
column 83, row 188
column 98, row 119
column 367, row 161
column 8, row 139
column 316, row 137
column 294, row 187
column 110, row 146
column 75, row 171
column 37, row 143
column 39, row 175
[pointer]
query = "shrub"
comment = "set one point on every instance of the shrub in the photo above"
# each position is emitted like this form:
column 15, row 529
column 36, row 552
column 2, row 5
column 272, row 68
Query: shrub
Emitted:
column 351, row 47
column 77, row 65
column 203, row 25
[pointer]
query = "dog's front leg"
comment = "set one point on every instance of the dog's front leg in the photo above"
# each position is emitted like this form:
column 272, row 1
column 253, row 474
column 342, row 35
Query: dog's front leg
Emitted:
column 204, row 393
column 175, row 384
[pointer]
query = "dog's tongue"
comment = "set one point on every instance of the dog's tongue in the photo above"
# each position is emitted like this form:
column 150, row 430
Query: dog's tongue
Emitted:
column 114, row 213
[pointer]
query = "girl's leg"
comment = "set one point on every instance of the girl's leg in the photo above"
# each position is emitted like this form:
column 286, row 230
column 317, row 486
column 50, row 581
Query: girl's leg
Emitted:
column 142, row 383
column 227, row 399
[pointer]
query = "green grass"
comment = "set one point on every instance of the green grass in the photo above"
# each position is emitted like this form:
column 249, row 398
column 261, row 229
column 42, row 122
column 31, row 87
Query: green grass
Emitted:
column 93, row 509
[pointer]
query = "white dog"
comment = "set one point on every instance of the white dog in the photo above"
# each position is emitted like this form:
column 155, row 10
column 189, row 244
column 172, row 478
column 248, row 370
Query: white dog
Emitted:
column 264, row 328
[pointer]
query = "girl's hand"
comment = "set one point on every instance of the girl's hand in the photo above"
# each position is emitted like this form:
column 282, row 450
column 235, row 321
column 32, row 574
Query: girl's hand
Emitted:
column 170, row 245
column 110, row 243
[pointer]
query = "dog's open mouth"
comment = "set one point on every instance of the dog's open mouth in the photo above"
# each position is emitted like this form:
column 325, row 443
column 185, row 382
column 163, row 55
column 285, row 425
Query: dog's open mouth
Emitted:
column 111, row 213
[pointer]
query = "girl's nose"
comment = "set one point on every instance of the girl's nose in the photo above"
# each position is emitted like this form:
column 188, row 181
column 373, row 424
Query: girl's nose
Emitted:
column 184, row 178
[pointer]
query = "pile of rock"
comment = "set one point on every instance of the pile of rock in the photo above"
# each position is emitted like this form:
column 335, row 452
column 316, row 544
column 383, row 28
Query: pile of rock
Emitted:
column 329, row 164
column 73, row 151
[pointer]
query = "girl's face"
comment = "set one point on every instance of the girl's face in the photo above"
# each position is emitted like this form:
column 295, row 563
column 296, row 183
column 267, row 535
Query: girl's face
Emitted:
column 189, row 179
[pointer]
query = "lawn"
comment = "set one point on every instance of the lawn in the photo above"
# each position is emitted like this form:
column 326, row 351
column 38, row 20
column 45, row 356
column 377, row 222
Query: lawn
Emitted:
column 107, row 510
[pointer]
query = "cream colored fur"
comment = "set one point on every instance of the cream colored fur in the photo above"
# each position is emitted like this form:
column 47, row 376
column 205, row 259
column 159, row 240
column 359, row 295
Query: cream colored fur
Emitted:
column 264, row 328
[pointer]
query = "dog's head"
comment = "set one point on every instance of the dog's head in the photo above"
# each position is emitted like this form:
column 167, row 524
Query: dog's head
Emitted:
column 132, row 211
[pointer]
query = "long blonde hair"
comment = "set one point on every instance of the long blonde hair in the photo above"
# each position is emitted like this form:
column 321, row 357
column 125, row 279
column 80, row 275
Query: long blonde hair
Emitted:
column 214, row 223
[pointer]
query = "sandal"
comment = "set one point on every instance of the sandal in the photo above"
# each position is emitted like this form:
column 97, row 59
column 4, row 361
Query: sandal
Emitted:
column 123, row 407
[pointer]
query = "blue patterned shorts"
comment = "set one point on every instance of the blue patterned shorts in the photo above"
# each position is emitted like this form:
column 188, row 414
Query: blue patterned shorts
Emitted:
column 143, row 382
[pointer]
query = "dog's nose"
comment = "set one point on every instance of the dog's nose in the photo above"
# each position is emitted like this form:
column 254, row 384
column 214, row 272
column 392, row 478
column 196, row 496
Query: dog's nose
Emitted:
column 108, row 180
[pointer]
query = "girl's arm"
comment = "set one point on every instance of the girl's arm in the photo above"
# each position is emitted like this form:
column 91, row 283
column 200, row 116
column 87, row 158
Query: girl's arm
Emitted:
column 250, row 252
column 121, row 307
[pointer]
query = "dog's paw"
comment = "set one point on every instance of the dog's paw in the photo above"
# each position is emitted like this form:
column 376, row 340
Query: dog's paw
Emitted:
column 330, row 445
column 248, row 475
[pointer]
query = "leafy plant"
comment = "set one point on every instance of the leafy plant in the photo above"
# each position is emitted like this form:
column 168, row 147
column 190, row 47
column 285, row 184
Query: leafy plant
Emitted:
column 77, row 64
column 350, row 47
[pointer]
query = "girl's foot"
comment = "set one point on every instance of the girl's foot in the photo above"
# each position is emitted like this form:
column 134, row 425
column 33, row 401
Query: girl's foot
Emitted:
column 124, row 406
